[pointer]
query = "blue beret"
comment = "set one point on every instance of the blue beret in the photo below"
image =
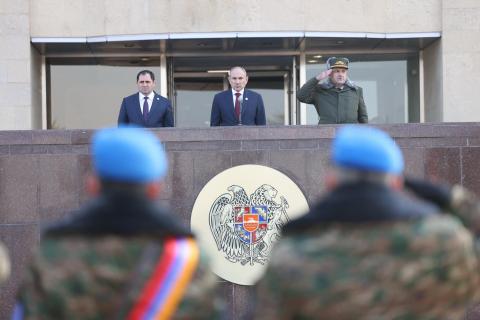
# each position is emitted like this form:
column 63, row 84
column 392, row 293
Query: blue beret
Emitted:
column 128, row 154
column 366, row 148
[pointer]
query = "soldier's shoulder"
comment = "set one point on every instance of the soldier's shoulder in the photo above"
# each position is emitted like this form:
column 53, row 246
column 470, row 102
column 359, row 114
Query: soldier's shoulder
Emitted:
column 203, row 298
column 415, row 234
column 439, row 225
column 399, row 258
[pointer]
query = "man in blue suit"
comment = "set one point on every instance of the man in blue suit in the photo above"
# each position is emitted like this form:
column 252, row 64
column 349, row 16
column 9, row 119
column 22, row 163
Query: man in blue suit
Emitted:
column 237, row 106
column 146, row 108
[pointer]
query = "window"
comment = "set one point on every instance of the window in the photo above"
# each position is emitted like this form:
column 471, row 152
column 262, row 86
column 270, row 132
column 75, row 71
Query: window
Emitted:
column 89, row 96
column 390, row 86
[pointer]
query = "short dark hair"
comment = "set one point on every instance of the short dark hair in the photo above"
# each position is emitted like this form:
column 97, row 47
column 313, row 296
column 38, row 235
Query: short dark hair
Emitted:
column 145, row 72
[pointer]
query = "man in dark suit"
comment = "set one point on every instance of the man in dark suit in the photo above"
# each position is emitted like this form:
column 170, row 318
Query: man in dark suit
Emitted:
column 237, row 106
column 146, row 108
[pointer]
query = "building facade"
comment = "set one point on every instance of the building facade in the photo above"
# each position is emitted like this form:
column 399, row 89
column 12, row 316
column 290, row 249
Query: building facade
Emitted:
column 67, row 64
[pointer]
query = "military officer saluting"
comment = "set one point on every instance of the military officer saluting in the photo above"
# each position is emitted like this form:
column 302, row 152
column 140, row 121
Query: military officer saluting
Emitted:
column 336, row 98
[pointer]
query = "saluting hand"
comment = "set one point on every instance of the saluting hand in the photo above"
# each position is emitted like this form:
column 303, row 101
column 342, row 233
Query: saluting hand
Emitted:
column 324, row 74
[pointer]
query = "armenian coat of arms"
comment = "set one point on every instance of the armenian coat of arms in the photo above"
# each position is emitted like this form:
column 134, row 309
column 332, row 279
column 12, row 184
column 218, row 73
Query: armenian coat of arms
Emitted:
column 245, row 227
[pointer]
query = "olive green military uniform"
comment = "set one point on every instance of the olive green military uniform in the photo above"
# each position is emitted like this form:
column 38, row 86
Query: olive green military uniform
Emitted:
column 98, row 264
column 335, row 105
column 390, row 258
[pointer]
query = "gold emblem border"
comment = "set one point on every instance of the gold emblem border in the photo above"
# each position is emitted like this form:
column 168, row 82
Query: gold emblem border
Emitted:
column 249, row 177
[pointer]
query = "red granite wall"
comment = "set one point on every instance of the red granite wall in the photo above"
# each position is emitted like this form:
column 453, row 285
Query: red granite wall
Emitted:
column 42, row 173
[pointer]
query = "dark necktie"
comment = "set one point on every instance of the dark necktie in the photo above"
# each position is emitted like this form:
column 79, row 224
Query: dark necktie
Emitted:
column 145, row 108
column 237, row 105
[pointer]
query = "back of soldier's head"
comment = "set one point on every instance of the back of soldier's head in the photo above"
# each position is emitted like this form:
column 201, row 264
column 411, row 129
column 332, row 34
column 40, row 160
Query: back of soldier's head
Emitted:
column 128, row 157
column 366, row 153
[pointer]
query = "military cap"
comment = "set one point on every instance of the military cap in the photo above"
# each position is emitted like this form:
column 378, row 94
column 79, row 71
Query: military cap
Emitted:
column 128, row 154
column 366, row 148
column 335, row 62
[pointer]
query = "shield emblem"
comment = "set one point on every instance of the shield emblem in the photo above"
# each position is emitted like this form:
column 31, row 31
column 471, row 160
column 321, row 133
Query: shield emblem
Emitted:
column 250, row 222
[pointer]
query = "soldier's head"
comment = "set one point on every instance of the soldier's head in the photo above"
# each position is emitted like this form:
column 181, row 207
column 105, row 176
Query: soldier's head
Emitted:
column 127, row 159
column 339, row 67
column 362, row 153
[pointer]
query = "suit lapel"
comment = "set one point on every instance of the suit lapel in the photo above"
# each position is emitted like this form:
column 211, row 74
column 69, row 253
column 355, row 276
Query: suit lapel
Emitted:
column 231, row 106
column 245, row 102
column 138, row 108
column 155, row 110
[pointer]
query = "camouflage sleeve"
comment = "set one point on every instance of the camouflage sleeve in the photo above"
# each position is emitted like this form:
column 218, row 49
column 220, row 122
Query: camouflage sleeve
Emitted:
column 306, row 92
column 282, row 291
column 32, row 297
column 202, row 299
column 466, row 206
column 270, row 303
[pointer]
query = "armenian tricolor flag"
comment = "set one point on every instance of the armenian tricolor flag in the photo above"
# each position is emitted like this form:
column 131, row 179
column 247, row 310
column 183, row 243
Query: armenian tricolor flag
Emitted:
column 164, row 290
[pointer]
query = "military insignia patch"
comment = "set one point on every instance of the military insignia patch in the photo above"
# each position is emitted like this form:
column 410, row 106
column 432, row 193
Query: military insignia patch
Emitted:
column 245, row 218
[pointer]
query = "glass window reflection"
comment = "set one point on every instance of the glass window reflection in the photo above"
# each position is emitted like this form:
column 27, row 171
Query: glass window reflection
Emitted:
column 89, row 96
column 385, row 88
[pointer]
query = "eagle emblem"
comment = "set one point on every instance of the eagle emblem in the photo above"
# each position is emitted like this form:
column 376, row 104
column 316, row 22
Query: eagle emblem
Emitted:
column 245, row 227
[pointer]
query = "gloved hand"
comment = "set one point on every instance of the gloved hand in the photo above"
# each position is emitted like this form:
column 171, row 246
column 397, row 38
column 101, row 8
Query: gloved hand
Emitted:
column 438, row 194
column 456, row 200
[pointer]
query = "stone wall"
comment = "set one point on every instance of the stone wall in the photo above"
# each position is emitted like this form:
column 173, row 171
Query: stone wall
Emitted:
column 15, row 65
column 461, row 56
column 42, row 174
column 452, row 66
column 70, row 18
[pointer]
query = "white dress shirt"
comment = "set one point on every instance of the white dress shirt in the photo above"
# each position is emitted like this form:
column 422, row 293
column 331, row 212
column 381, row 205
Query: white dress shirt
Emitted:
column 149, row 100
column 235, row 97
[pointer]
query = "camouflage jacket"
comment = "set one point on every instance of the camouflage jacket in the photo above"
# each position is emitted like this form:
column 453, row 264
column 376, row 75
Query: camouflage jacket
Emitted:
column 366, row 252
column 117, row 259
